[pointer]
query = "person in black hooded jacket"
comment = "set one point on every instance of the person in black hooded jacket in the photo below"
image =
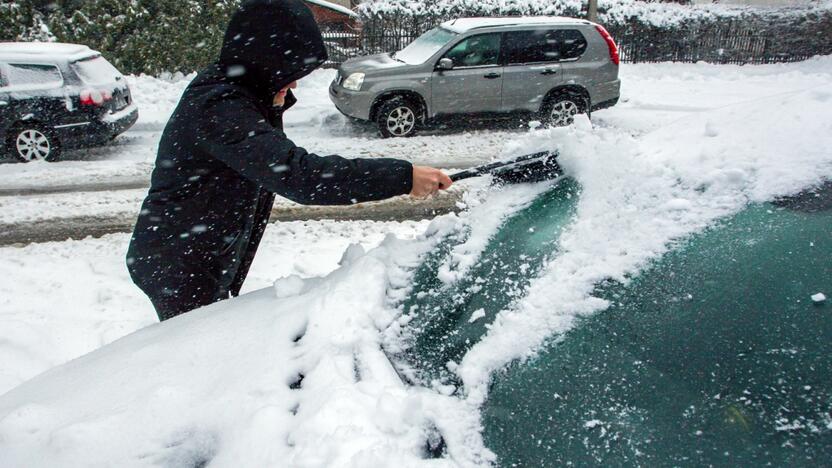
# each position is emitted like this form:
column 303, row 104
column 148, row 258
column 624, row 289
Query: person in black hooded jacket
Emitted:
column 223, row 156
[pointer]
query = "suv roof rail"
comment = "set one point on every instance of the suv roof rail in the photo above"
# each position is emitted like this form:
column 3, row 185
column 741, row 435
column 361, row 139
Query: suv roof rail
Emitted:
column 461, row 25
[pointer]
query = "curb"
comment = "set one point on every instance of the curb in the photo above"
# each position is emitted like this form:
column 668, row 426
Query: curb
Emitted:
column 395, row 209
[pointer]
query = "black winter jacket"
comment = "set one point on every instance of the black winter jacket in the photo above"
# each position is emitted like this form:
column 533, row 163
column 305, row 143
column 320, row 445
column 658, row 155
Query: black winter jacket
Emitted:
column 223, row 155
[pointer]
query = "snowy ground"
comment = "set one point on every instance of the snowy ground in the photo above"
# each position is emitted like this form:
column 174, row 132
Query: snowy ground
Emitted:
column 687, row 145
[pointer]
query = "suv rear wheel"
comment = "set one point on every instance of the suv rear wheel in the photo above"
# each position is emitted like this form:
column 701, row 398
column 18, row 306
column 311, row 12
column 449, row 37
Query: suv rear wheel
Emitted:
column 562, row 109
column 32, row 142
column 397, row 117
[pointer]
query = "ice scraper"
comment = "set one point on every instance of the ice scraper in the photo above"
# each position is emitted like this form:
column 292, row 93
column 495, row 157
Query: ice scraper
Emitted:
column 534, row 167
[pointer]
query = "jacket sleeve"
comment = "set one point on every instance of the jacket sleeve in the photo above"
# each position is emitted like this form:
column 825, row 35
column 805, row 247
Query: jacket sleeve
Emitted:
column 233, row 130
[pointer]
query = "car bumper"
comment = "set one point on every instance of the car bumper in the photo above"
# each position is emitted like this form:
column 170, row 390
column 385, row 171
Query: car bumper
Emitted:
column 606, row 94
column 354, row 104
column 98, row 131
column 119, row 122
column 605, row 104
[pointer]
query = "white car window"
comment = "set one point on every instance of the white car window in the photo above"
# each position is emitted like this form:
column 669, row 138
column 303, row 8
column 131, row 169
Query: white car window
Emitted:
column 96, row 71
column 33, row 76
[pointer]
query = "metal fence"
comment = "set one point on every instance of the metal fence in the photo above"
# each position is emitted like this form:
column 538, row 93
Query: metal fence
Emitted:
column 721, row 43
column 736, row 46
column 341, row 46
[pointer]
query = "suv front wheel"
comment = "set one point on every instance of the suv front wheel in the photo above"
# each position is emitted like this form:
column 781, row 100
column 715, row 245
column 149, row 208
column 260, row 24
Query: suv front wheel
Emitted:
column 562, row 109
column 32, row 142
column 397, row 117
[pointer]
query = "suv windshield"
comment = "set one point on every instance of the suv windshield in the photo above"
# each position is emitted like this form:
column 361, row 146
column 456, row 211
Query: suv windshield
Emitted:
column 425, row 46
column 96, row 71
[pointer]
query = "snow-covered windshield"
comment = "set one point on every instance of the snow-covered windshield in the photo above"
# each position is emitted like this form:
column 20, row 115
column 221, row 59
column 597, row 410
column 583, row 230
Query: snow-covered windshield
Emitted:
column 425, row 46
column 96, row 71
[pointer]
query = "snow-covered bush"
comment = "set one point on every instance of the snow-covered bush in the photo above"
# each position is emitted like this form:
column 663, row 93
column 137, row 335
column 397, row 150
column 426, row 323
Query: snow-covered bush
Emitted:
column 148, row 36
column 20, row 21
column 610, row 12
column 454, row 8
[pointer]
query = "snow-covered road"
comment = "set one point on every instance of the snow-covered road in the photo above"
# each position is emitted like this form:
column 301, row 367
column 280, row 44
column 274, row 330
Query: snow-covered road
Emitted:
column 97, row 191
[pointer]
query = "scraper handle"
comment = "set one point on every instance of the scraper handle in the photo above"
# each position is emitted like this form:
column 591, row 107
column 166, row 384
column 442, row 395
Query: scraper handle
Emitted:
column 486, row 169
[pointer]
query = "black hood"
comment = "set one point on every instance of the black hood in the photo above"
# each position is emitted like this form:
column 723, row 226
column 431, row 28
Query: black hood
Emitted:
column 269, row 44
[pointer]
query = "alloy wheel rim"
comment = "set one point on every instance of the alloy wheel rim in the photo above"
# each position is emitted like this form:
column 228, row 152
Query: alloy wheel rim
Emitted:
column 563, row 113
column 33, row 145
column 400, row 121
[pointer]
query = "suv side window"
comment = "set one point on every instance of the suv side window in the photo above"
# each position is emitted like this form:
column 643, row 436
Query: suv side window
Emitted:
column 543, row 46
column 476, row 51
column 34, row 75
column 572, row 43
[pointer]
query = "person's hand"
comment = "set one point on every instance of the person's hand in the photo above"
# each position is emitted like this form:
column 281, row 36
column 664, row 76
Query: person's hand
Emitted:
column 427, row 181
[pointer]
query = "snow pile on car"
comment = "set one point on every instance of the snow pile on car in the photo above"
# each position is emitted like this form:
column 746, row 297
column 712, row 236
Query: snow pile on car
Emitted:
column 256, row 381
column 639, row 195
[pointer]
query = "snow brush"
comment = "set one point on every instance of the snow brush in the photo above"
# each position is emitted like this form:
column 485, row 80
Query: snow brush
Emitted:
column 535, row 167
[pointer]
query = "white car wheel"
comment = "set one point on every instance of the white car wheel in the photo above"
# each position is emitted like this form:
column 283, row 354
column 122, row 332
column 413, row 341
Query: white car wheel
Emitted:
column 400, row 121
column 32, row 144
column 563, row 113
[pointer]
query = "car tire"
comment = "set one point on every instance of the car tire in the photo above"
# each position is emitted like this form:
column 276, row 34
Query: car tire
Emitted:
column 561, row 109
column 29, row 142
column 397, row 118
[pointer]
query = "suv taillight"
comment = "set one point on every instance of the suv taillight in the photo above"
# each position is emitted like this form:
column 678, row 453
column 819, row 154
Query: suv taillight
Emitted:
column 610, row 43
column 95, row 97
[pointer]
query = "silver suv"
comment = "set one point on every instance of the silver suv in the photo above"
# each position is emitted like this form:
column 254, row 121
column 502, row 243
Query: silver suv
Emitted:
column 549, row 68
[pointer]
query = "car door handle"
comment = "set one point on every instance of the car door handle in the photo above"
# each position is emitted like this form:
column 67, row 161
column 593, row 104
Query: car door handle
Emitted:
column 549, row 71
column 491, row 76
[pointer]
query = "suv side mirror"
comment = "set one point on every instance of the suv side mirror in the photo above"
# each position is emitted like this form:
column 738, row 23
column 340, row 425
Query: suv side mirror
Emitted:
column 445, row 64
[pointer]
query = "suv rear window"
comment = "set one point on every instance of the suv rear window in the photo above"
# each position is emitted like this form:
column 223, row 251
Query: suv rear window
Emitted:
column 96, row 71
column 544, row 46
column 572, row 43
column 33, row 75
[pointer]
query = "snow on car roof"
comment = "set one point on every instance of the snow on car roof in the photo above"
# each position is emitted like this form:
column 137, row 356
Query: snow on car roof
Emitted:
column 462, row 25
column 44, row 50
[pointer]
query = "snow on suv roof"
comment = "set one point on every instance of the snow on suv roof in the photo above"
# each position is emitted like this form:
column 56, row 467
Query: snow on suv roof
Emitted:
column 44, row 51
column 462, row 25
